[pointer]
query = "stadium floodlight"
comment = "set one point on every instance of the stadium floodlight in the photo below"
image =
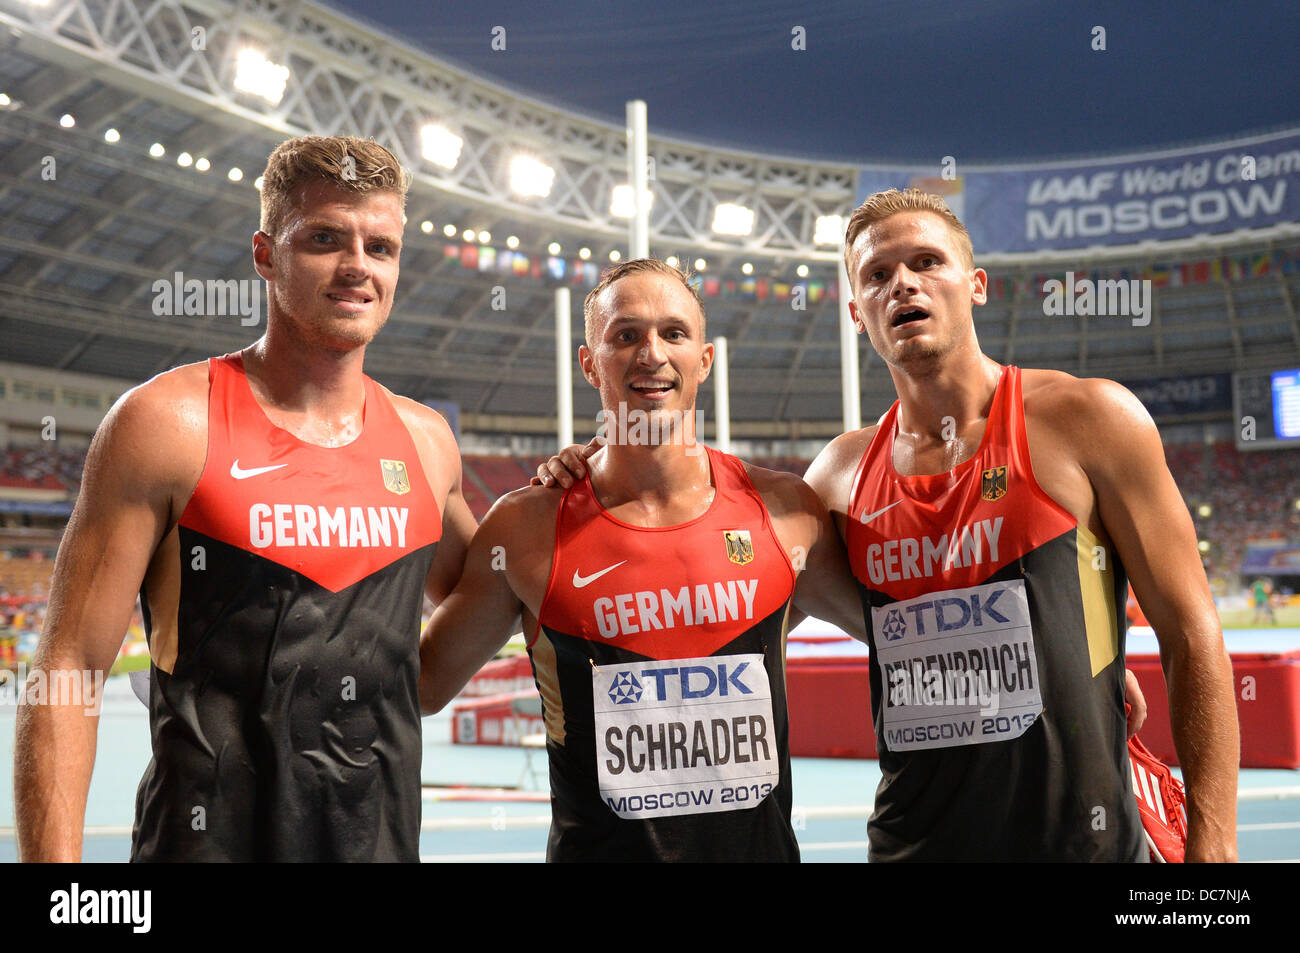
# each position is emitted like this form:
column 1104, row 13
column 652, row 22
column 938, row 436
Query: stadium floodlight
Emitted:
column 112, row 136
column 440, row 145
column 700, row 264
column 829, row 230
column 584, row 253
column 236, row 174
column 66, row 121
column 255, row 74
column 512, row 242
column 449, row 230
column 1203, row 510
column 201, row 164
column 729, row 219
column 258, row 182
column 615, row 255
column 747, row 268
column 530, row 176
column 671, row 261
column 802, row 271
column 484, row 237
column 554, row 248
column 5, row 100
column 426, row 226
column 620, row 202
column 469, row 235
column 185, row 160
column 157, row 151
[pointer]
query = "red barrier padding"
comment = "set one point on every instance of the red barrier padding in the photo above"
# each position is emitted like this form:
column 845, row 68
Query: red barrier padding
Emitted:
column 492, row 721
column 830, row 708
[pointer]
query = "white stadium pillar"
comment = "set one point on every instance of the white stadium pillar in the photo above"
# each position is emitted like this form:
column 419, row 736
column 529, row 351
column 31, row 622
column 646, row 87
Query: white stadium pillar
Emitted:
column 563, row 369
column 721, row 394
column 638, row 177
column 850, row 392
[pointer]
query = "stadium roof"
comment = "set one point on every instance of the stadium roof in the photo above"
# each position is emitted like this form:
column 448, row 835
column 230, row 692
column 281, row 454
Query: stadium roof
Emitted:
column 910, row 80
column 91, row 226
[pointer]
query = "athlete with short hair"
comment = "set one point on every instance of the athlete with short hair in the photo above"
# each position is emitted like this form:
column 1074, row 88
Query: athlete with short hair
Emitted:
column 655, row 596
column 991, row 517
column 280, row 515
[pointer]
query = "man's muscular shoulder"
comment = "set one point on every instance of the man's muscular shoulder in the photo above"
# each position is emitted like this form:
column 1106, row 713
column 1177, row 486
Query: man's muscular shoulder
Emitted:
column 436, row 444
column 1088, row 414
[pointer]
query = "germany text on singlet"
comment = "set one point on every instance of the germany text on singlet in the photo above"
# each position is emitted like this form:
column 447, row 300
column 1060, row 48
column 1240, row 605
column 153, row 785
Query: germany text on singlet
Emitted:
column 997, row 659
column 659, row 656
column 285, row 645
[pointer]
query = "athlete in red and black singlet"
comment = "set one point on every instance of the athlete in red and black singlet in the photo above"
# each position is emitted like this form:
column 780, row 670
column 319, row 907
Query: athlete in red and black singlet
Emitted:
column 283, row 705
column 997, row 630
column 660, row 658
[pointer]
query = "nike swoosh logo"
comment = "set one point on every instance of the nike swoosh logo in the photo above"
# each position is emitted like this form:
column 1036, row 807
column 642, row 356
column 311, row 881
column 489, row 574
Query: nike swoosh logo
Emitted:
column 239, row 474
column 580, row 581
column 868, row 517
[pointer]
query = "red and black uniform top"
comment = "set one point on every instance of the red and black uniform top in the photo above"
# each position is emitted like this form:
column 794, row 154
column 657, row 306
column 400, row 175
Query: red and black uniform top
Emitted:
column 659, row 656
column 285, row 644
column 996, row 627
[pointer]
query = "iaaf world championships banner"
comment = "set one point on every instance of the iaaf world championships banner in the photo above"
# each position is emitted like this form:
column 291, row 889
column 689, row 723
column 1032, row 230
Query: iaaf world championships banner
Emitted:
column 1250, row 183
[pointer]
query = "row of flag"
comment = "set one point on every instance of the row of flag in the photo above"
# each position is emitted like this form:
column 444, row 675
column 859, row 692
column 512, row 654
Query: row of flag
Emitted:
column 1197, row 272
column 503, row 261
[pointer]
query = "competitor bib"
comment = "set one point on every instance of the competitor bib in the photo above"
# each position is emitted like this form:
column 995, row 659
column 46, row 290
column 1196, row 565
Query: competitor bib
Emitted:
column 957, row 667
column 684, row 736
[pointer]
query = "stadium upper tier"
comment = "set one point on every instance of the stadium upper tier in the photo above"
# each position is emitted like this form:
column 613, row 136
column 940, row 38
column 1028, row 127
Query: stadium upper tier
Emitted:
column 104, row 243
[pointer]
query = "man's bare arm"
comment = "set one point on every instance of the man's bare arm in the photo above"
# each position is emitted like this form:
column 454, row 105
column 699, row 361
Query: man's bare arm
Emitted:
column 478, row 617
column 121, row 514
column 825, row 587
column 1144, row 514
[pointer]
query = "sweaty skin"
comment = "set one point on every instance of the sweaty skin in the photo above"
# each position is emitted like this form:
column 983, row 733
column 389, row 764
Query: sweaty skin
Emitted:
column 1094, row 450
column 649, row 354
column 331, row 273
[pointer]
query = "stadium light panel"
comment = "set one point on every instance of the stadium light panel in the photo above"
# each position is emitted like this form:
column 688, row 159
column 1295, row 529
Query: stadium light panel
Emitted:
column 449, row 230
column 620, row 202
column 700, row 264
column 469, row 234
column 529, row 176
column 426, row 226
column 66, row 121
column 672, row 261
column 257, row 75
column 802, row 271
column 185, row 160
column 747, row 268
column 512, row 242
column 584, row 253
column 201, row 164
column 236, row 174
column 157, row 151
column 440, row 145
column 485, row 237
column 553, row 248
column 729, row 219
column 615, row 255
column 829, row 230
column 112, row 135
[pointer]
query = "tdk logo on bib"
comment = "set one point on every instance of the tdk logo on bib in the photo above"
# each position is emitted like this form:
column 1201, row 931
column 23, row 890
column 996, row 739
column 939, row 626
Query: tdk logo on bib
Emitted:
column 894, row 628
column 957, row 611
column 688, row 682
column 625, row 689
